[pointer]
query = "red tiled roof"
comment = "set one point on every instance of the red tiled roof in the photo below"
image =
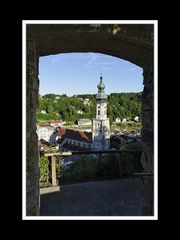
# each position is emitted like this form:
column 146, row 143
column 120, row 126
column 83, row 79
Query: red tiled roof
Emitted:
column 56, row 121
column 43, row 142
column 45, row 125
column 74, row 135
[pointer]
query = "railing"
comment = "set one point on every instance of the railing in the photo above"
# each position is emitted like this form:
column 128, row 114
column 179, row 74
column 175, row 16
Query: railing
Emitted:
column 53, row 156
column 142, row 175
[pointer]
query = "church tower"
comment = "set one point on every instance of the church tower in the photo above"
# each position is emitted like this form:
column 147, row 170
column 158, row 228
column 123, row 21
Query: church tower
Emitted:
column 101, row 126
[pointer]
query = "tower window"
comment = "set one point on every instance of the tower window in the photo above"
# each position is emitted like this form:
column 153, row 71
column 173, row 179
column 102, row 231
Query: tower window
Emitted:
column 98, row 112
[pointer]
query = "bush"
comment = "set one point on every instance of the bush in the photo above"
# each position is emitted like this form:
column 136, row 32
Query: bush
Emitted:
column 87, row 167
column 59, row 166
column 131, row 161
column 45, row 172
column 84, row 168
column 44, row 169
column 105, row 165
column 132, row 145
column 108, row 166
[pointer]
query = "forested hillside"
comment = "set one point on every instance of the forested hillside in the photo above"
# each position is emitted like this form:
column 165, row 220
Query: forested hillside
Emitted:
column 70, row 109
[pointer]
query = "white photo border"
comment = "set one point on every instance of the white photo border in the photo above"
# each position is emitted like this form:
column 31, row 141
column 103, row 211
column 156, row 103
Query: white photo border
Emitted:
column 155, row 23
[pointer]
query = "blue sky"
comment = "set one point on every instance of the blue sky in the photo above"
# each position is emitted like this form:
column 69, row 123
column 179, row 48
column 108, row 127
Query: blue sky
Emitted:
column 78, row 73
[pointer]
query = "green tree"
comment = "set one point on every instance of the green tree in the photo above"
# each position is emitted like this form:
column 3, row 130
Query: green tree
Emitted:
column 122, row 105
column 44, row 169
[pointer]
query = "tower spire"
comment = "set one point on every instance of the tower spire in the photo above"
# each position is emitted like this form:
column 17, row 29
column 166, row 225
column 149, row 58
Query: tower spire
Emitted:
column 101, row 94
column 101, row 78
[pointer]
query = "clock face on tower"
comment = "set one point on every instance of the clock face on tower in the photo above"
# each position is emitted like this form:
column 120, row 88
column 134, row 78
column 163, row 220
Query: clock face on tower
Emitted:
column 105, row 129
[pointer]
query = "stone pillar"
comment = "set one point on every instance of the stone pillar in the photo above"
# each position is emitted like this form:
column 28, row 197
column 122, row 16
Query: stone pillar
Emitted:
column 32, row 167
column 147, row 158
column 148, row 119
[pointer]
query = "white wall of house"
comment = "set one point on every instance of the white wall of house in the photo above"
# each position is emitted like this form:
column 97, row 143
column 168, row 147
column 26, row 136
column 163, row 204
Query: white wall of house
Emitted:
column 118, row 120
column 124, row 120
column 84, row 122
column 44, row 132
column 43, row 111
column 136, row 119
column 80, row 112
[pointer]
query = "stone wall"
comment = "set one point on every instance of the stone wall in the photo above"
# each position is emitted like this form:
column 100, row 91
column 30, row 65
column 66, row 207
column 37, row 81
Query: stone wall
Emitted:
column 148, row 118
column 147, row 159
column 133, row 43
column 32, row 168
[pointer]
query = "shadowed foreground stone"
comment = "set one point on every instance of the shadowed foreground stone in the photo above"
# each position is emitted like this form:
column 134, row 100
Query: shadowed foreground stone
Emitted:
column 102, row 198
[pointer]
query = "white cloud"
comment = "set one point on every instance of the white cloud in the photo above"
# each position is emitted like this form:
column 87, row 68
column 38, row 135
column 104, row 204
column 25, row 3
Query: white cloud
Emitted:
column 132, row 69
column 91, row 59
column 105, row 63
column 52, row 61
column 77, row 55
column 82, row 57
column 58, row 58
column 106, row 68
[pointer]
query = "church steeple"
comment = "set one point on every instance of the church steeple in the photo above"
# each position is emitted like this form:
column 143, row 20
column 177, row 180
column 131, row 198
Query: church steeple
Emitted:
column 101, row 126
column 101, row 94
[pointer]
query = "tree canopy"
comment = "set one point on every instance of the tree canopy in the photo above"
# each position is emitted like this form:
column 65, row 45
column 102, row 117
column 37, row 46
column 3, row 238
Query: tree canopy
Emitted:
column 70, row 109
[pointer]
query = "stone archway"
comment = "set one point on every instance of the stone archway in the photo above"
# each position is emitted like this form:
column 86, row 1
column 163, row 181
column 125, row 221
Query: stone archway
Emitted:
column 133, row 43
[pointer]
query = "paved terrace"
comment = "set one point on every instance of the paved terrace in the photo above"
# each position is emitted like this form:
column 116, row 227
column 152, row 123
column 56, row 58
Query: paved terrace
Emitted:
column 101, row 198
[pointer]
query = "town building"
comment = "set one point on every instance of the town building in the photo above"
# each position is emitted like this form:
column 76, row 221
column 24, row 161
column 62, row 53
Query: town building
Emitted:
column 117, row 120
column 124, row 120
column 44, row 131
column 136, row 119
column 47, row 129
column 84, row 122
column 80, row 112
column 57, row 97
column 87, row 102
column 101, row 126
column 43, row 112
column 56, row 123
column 74, row 140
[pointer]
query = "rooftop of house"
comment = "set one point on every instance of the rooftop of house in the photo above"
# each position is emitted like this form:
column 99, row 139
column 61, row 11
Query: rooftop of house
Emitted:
column 45, row 126
column 74, row 135
column 42, row 142
column 85, row 119
column 56, row 121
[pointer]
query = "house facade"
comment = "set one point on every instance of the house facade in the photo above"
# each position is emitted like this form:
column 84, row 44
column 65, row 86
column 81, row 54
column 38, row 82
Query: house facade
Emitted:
column 44, row 132
column 84, row 122
column 69, row 139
